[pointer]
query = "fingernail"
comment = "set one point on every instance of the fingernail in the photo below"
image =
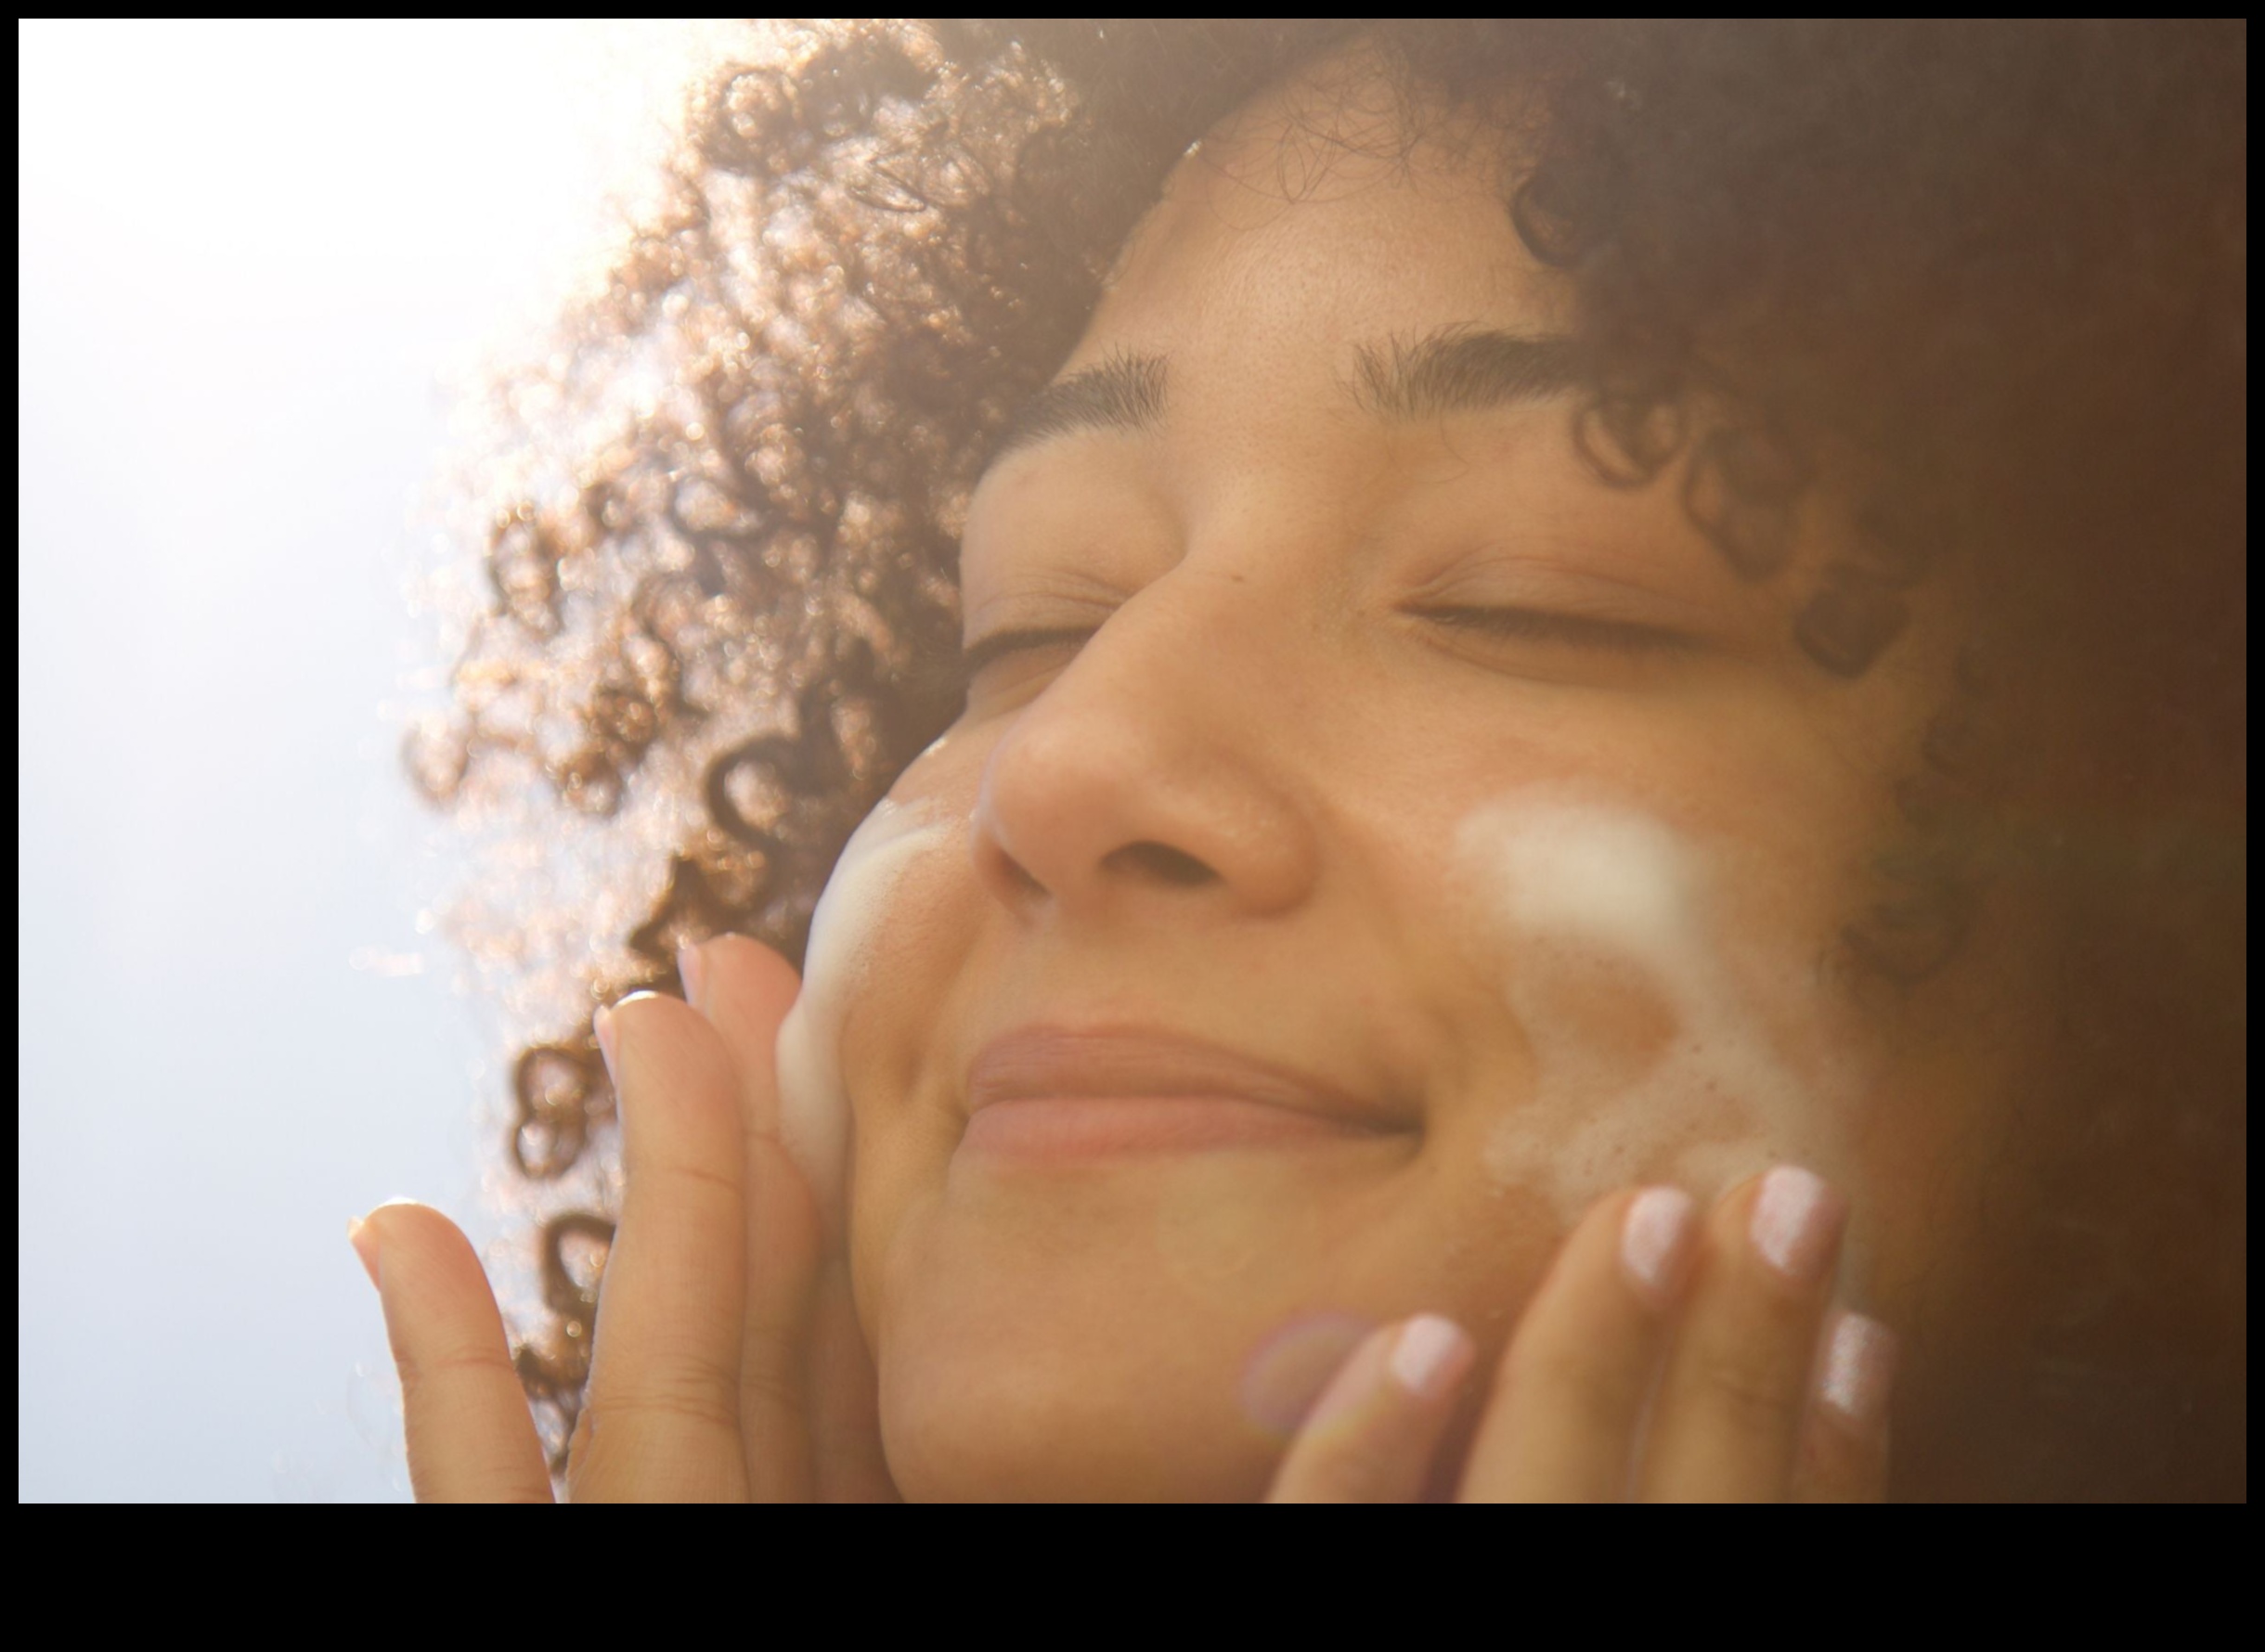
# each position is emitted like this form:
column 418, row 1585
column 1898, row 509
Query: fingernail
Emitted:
column 365, row 1245
column 1859, row 1371
column 1655, row 1237
column 691, row 969
column 1430, row 1355
column 602, row 1024
column 1796, row 1224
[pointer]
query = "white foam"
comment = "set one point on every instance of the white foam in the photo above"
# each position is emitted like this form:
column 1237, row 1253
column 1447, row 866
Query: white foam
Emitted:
column 813, row 1100
column 1571, row 890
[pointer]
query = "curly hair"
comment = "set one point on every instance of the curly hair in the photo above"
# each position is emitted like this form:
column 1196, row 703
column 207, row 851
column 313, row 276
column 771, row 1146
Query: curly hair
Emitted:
column 2006, row 262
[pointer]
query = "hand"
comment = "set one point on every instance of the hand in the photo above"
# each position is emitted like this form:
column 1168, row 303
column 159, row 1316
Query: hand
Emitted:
column 726, row 1363
column 1659, row 1360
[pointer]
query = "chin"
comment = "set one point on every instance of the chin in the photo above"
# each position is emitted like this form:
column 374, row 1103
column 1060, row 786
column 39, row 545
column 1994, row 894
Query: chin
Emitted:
column 1031, row 1384
column 982, row 1430
column 1151, row 1333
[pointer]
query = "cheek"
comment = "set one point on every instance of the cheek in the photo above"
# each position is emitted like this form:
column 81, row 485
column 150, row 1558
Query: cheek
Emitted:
column 1669, row 1003
column 877, row 912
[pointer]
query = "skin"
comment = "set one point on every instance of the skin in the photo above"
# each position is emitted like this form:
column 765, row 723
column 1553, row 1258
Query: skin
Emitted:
column 1218, row 796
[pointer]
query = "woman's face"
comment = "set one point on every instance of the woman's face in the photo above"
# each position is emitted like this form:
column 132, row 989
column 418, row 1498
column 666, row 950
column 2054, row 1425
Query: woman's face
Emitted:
column 1368, row 839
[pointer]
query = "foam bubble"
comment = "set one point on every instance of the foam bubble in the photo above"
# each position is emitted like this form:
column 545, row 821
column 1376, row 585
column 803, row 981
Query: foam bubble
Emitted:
column 813, row 1099
column 1598, row 878
column 1573, row 891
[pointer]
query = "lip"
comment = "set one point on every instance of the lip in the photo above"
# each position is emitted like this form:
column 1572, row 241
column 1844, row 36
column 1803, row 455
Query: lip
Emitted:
column 1052, row 1094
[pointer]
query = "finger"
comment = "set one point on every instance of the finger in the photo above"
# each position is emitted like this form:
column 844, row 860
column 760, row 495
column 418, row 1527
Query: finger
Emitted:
column 1844, row 1443
column 1570, row 1393
column 662, row 1413
column 845, row 1399
column 1727, row 1421
column 1371, row 1436
column 470, row 1435
column 745, row 990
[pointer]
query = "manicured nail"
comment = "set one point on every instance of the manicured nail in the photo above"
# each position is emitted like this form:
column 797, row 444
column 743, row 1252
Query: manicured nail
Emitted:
column 1859, row 1370
column 1796, row 1224
column 691, row 969
column 1655, row 1236
column 365, row 1245
column 602, row 1024
column 1430, row 1355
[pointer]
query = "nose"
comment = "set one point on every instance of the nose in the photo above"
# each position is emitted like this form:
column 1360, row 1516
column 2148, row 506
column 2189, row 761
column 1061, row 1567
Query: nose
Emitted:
column 1148, row 777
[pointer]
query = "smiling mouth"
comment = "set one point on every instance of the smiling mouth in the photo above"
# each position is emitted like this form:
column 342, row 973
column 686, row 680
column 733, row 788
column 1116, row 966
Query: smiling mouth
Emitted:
column 1052, row 1128
column 1047, row 1095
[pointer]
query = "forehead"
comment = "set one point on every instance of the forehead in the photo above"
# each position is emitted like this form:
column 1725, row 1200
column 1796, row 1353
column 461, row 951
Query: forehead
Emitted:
column 1320, row 215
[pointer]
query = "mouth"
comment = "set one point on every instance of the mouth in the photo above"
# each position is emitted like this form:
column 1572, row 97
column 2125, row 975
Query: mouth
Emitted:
column 1052, row 1096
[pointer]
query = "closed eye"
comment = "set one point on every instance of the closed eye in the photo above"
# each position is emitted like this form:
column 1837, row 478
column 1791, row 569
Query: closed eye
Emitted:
column 1533, row 624
column 999, row 644
column 1512, row 624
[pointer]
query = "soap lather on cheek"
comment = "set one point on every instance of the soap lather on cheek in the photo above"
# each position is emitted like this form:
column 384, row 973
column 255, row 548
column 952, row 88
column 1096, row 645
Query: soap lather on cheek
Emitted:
column 813, row 1100
column 1567, row 885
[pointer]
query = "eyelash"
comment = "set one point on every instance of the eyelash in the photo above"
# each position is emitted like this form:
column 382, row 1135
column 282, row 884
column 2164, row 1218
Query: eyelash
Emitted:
column 1539, row 626
column 999, row 644
column 1513, row 624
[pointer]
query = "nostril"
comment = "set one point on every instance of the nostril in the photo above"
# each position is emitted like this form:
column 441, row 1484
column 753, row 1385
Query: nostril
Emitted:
column 1019, row 876
column 1007, row 878
column 1161, row 861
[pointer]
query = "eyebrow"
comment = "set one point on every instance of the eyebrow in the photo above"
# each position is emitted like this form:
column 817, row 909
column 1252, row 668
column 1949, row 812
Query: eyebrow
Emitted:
column 1124, row 392
column 1464, row 369
column 1457, row 369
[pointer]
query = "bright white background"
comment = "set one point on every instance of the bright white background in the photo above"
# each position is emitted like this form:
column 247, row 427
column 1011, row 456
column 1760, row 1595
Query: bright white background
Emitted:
column 250, row 258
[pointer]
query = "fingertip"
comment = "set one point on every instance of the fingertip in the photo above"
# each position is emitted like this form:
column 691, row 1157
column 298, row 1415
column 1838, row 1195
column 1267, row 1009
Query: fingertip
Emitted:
column 464, row 1415
column 691, row 970
column 601, row 1026
column 414, row 1238
column 368, row 1233
column 1795, row 1224
column 1372, row 1434
column 1857, row 1374
column 1430, row 1356
column 1658, row 1230
column 381, row 1217
column 365, row 1242
column 660, row 1050
column 1843, row 1454
column 756, row 976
